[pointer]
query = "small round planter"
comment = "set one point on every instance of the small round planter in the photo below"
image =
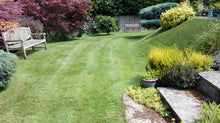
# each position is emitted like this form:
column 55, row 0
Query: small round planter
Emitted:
column 204, row 13
column 148, row 83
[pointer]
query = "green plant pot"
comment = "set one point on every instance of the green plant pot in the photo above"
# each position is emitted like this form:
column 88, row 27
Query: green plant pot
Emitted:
column 148, row 83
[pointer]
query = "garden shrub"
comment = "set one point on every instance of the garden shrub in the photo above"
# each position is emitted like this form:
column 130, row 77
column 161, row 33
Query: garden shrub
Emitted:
column 154, row 12
column 150, row 16
column 103, row 24
column 176, row 16
column 149, row 97
column 199, row 61
column 180, row 76
column 35, row 25
column 211, row 113
column 153, row 23
column 8, row 63
column 216, row 63
column 163, row 59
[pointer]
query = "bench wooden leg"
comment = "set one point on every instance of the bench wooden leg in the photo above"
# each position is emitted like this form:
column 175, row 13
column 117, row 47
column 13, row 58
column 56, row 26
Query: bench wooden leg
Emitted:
column 45, row 45
column 33, row 48
column 25, row 56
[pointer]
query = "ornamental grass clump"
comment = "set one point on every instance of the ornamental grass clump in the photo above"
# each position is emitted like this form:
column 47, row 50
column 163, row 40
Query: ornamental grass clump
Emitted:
column 176, row 16
column 149, row 97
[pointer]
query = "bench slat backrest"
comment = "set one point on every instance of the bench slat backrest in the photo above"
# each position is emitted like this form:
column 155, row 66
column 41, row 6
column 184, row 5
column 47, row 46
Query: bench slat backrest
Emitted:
column 21, row 33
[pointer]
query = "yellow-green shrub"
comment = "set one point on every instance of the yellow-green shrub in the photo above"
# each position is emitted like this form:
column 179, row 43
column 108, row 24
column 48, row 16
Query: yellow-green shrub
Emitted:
column 199, row 61
column 163, row 59
column 149, row 97
column 177, row 15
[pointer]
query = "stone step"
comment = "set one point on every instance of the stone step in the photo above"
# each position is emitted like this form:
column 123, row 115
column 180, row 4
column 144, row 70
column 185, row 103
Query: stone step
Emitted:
column 209, row 85
column 184, row 104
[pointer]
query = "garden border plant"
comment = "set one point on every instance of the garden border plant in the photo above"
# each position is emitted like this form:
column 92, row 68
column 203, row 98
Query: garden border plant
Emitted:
column 211, row 113
column 149, row 97
column 164, row 59
column 8, row 64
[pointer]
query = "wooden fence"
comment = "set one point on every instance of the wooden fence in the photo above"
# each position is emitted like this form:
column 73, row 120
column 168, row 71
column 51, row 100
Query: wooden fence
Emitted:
column 129, row 23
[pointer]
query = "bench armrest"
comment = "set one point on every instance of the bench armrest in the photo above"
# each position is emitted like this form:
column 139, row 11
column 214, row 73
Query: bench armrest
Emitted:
column 13, row 41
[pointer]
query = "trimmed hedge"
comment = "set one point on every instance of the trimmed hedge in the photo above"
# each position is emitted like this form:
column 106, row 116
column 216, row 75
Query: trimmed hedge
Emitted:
column 150, row 23
column 150, row 16
column 154, row 12
column 8, row 64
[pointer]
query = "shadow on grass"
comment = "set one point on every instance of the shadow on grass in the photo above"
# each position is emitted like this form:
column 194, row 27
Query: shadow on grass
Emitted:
column 4, row 88
column 134, row 37
column 20, row 54
column 101, row 34
column 67, row 40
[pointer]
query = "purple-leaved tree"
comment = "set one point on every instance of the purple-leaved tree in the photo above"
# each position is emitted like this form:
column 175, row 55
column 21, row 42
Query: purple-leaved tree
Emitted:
column 59, row 15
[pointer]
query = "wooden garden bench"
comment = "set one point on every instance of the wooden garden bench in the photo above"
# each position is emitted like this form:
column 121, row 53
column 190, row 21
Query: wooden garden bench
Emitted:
column 132, row 27
column 21, row 39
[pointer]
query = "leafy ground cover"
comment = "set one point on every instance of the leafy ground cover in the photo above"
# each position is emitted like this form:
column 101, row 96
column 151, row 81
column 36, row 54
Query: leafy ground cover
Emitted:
column 83, row 80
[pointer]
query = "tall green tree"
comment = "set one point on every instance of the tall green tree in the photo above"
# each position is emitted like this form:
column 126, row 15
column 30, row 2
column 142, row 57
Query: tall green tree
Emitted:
column 122, row 7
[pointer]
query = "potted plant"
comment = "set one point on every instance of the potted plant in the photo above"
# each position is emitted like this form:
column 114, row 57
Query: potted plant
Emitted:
column 205, row 12
column 149, row 79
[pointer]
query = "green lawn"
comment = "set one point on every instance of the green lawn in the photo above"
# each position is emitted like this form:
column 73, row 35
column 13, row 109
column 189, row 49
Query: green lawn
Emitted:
column 74, row 81
column 82, row 80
